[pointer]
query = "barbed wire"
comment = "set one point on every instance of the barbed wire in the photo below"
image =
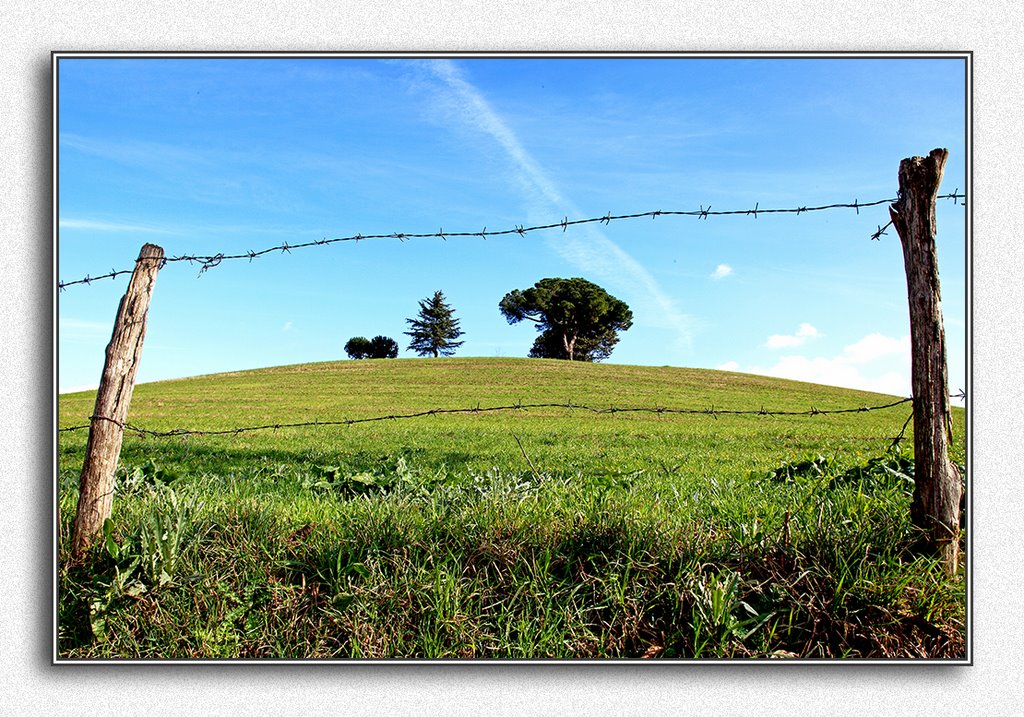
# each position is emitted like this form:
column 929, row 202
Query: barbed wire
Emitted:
column 209, row 261
column 710, row 411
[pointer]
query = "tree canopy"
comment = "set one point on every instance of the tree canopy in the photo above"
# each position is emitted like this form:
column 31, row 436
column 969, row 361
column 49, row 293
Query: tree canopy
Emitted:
column 360, row 347
column 434, row 332
column 383, row 347
column 577, row 319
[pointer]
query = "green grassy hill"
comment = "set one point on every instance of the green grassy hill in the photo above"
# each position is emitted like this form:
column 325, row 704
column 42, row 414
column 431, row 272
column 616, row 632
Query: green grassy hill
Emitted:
column 561, row 438
column 521, row 533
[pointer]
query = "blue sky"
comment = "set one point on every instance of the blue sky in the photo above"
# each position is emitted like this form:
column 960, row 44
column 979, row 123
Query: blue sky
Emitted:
column 208, row 155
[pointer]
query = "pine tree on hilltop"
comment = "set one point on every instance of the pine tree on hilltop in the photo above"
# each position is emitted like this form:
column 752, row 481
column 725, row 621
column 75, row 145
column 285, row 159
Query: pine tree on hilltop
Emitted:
column 578, row 320
column 435, row 330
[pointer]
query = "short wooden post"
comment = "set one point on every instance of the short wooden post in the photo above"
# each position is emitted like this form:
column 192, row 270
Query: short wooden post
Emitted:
column 937, row 488
column 96, row 486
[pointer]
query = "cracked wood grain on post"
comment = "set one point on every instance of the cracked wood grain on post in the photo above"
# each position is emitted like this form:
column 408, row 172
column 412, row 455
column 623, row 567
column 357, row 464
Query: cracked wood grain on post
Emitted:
column 113, row 398
column 937, row 488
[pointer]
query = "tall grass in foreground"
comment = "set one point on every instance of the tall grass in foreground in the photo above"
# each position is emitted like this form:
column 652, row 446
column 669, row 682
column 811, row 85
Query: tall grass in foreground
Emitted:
column 585, row 537
column 510, row 564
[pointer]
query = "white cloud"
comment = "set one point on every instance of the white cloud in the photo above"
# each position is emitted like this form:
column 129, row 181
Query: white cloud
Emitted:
column 721, row 271
column 837, row 371
column 874, row 363
column 287, row 326
column 729, row 366
column 780, row 341
column 875, row 346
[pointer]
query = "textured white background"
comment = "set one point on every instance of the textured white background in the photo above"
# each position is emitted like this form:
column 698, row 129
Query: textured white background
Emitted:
column 30, row 685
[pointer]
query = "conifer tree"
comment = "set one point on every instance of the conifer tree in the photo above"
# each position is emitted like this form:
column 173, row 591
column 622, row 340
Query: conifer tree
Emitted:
column 436, row 328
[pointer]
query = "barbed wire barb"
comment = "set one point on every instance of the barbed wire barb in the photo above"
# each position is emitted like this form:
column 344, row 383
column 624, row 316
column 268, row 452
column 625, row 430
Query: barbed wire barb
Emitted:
column 881, row 231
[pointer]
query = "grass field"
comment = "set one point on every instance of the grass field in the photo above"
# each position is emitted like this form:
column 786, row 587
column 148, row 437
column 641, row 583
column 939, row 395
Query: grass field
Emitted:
column 542, row 533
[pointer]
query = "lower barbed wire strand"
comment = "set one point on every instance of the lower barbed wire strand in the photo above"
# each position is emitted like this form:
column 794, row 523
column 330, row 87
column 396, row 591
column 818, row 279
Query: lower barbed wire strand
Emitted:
column 714, row 412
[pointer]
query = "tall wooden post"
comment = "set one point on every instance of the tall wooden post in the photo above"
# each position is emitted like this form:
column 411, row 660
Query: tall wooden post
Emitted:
column 96, row 486
column 937, row 488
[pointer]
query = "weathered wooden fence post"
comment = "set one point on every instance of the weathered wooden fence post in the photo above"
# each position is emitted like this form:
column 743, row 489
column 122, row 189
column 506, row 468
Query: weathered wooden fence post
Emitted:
column 937, row 489
column 106, row 431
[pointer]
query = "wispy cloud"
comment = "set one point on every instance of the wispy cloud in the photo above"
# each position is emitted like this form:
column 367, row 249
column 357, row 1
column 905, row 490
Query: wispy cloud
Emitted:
column 102, row 226
column 216, row 232
column 79, row 387
column 782, row 341
column 83, row 331
column 210, row 174
column 589, row 249
column 134, row 152
column 721, row 271
column 67, row 323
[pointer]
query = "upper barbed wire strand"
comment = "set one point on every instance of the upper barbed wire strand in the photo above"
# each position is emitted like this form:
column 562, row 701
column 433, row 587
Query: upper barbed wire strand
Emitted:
column 209, row 261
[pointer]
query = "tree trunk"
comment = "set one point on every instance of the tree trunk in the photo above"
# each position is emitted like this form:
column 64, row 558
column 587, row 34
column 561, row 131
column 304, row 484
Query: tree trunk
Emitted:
column 937, row 488
column 96, row 486
column 569, row 343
